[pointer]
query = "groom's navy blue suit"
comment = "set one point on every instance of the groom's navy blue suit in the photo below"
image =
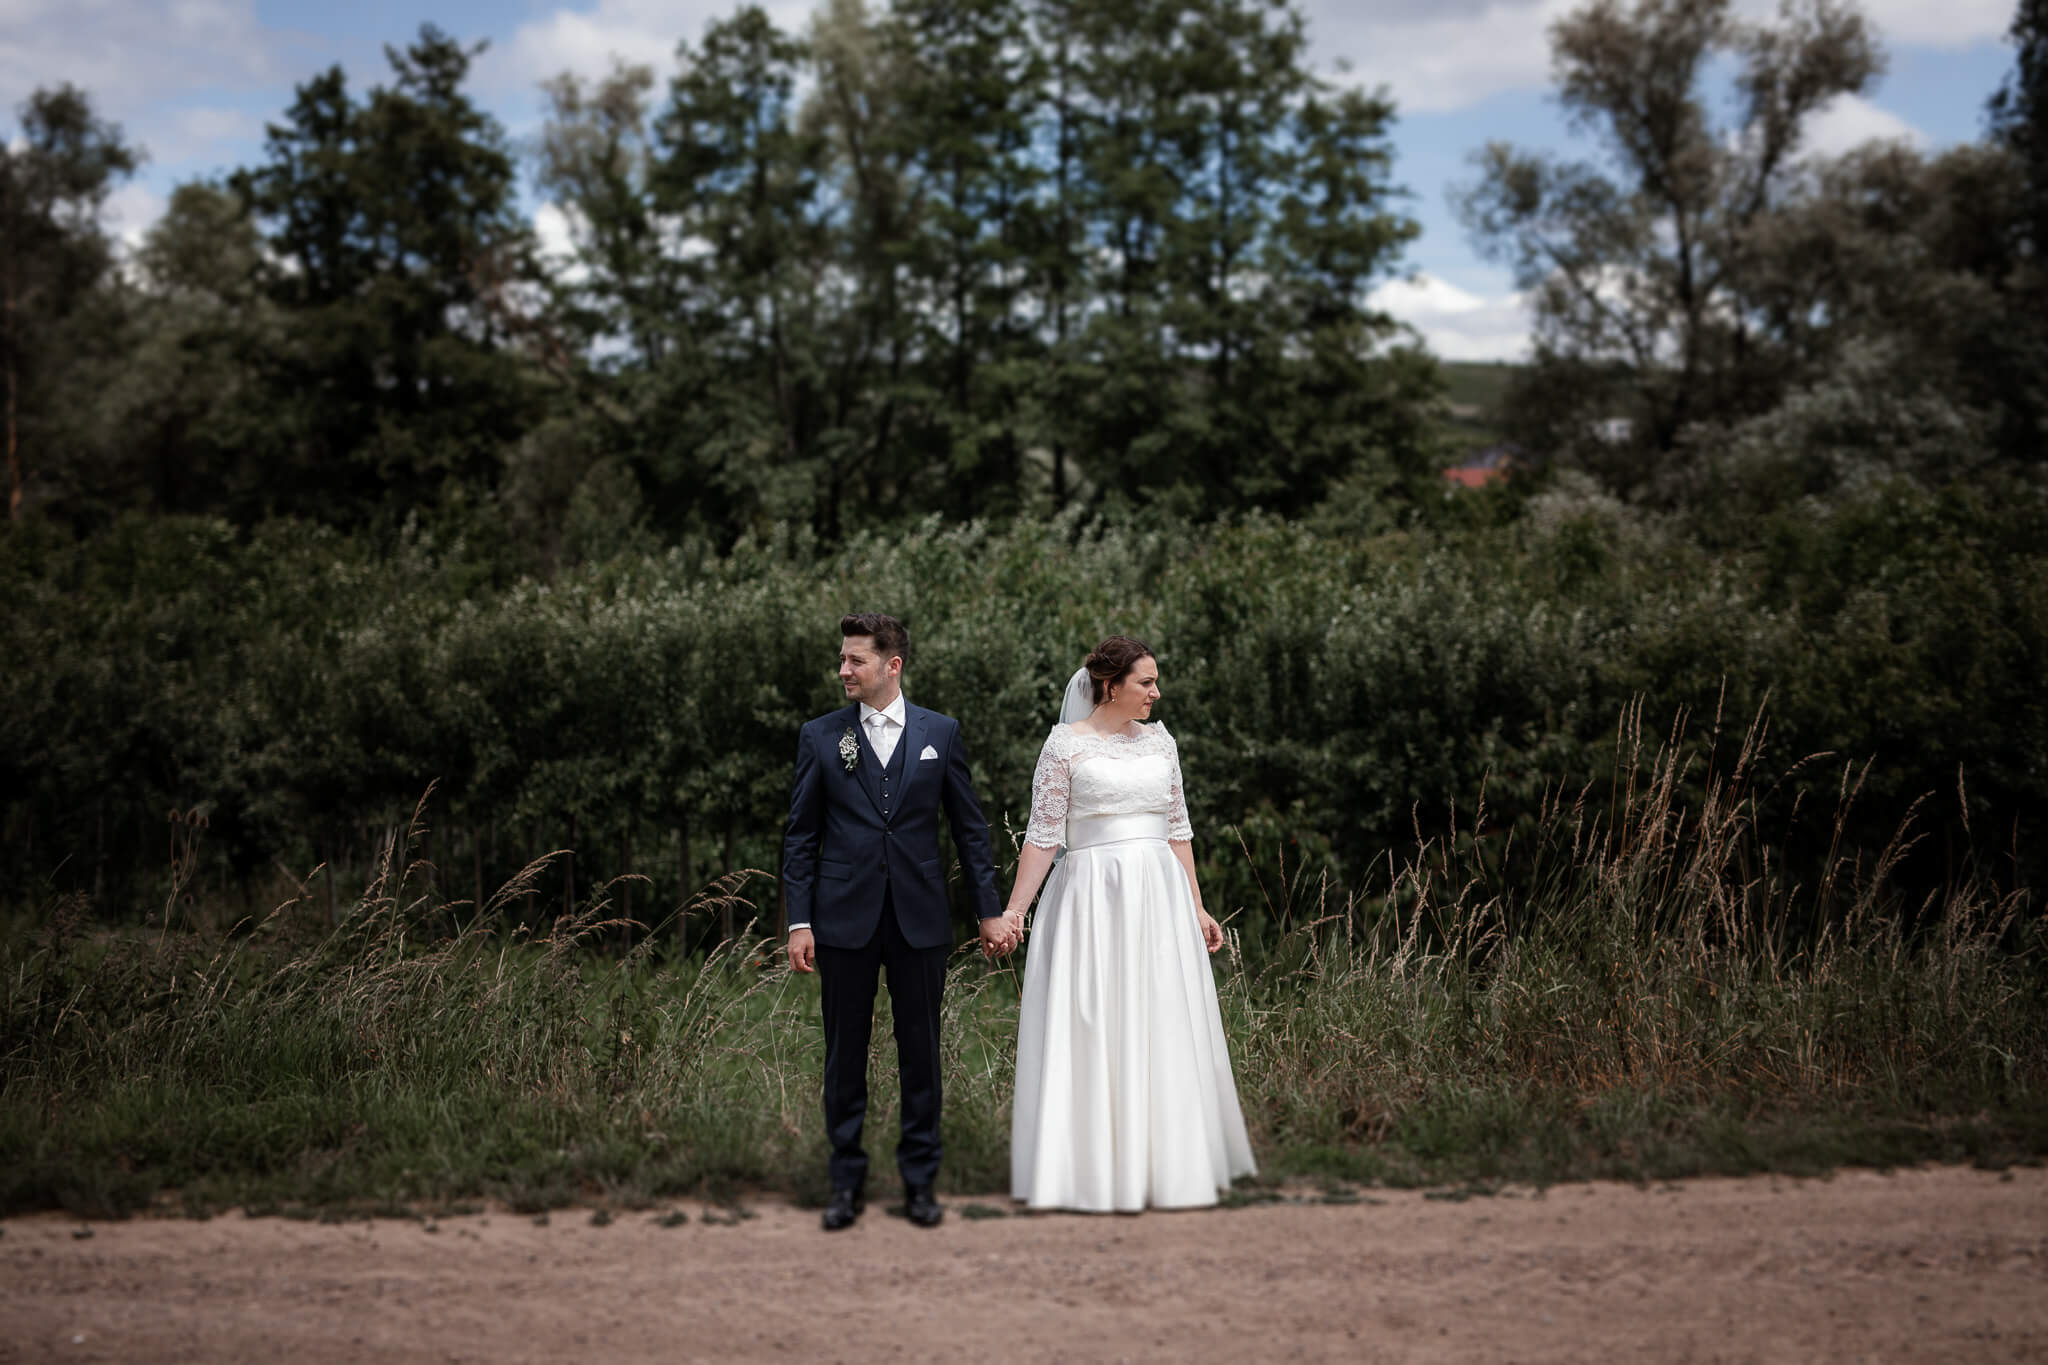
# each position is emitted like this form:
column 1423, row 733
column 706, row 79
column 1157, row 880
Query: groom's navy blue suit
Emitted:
column 860, row 865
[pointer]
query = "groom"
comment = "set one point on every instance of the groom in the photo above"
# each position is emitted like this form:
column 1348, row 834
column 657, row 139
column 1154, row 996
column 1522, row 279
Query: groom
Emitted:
column 867, row 894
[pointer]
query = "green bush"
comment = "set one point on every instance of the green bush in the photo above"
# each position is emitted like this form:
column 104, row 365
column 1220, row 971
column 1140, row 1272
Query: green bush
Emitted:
column 1334, row 695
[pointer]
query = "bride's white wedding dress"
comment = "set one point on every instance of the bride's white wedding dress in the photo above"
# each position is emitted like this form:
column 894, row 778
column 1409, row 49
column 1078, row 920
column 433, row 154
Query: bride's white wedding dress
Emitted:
column 1124, row 1094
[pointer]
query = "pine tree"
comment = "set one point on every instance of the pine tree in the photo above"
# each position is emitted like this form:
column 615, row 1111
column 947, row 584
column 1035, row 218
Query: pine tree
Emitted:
column 55, row 259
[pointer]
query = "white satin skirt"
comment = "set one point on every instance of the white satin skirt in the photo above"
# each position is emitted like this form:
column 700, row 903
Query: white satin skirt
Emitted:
column 1124, row 1094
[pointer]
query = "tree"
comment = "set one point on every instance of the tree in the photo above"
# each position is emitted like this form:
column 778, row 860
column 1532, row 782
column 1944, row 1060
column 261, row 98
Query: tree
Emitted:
column 970, row 78
column 1241, row 210
column 1644, row 268
column 2019, row 122
column 2018, row 117
column 401, row 248
column 1000, row 256
column 741, row 180
column 55, row 258
column 197, row 328
column 594, row 157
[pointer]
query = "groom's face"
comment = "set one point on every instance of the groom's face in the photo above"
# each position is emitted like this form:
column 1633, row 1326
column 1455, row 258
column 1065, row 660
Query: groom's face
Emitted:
column 865, row 674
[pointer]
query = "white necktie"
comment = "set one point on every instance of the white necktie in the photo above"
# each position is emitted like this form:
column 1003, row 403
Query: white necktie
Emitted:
column 882, row 736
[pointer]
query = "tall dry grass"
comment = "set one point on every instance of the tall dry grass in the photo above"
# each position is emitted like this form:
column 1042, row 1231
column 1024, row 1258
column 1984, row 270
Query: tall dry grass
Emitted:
column 1629, row 985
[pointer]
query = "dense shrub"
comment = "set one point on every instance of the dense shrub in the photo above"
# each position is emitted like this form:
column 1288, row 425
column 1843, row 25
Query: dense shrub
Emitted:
column 1334, row 695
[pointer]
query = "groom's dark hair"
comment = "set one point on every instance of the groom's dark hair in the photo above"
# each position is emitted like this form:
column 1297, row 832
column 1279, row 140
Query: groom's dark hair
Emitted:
column 891, row 637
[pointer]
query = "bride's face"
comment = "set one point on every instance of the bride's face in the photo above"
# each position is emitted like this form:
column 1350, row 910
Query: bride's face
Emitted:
column 1131, row 697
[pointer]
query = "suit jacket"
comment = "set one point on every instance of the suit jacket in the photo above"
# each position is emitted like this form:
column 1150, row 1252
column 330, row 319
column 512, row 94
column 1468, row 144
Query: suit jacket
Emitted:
column 852, row 836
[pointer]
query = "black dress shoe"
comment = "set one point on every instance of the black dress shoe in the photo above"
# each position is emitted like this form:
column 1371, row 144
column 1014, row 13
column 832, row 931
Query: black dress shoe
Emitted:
column 920, row 1207
column 844, row 1207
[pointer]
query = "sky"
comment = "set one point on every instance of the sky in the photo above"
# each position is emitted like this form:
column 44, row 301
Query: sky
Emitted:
column 193, row 82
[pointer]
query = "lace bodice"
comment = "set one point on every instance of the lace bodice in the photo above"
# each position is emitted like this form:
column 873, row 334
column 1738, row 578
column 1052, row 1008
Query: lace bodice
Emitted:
column 1129, row 773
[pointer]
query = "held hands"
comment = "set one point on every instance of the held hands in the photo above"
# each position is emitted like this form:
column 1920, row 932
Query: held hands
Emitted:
column 1001, row 934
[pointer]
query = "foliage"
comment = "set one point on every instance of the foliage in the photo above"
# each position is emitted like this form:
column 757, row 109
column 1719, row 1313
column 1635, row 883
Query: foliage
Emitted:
column 303, row 687
column 397, row 250
column 1704, row 271
column 55, row 260
column 2018, row 114
column 978, row 260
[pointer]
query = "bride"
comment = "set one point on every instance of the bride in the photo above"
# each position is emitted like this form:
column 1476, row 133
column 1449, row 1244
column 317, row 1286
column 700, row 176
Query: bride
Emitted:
column 1124, row 1093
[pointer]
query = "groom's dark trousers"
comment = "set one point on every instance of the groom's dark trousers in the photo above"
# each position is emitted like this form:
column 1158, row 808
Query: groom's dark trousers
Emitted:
column 860, row 865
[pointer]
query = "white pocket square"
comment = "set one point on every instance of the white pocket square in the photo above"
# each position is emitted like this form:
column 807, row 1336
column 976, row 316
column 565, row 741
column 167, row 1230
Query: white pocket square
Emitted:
column 929, row 752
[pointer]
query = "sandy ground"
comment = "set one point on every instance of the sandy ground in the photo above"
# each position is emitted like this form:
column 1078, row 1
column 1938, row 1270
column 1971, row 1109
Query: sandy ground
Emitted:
column 1947, row 1264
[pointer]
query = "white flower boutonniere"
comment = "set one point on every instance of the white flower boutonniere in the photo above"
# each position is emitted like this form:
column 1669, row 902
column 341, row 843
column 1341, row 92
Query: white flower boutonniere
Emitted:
column 849, row 750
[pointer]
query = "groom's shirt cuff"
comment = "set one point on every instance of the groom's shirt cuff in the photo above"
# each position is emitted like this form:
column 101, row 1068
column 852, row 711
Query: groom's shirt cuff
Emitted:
column 794, row 927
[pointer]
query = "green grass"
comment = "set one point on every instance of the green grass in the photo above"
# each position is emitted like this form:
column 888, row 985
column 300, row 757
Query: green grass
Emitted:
column 1652, row 1004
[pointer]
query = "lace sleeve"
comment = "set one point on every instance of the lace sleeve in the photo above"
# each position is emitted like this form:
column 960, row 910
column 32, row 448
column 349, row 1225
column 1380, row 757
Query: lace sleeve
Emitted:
column 1178, row 826
column 1051, row 784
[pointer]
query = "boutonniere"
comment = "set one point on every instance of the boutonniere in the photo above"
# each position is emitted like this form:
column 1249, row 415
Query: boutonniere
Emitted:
column 849, row 750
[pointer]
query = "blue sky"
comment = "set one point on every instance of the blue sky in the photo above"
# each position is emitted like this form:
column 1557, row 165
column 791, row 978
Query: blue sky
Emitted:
column 194, row 80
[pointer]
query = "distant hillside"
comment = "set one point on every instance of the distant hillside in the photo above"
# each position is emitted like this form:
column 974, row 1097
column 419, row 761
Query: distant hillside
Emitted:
column 1474, row 390
column 1479, row 383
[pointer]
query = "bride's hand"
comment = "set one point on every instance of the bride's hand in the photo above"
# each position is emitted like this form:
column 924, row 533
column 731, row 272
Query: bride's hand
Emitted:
column 1212, row 932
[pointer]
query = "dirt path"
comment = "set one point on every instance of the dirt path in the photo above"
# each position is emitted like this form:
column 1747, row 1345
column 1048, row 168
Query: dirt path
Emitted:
column 1919, row 1265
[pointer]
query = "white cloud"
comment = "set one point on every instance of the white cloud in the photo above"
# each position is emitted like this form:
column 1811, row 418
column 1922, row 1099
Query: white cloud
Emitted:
column 1954, row 23
column 163, row 71
column 1439, row 58
column 557, row 230
column 128, row 53
column 131, row 211
column 587, row 41
column 1846, row 122
column 1456, row 323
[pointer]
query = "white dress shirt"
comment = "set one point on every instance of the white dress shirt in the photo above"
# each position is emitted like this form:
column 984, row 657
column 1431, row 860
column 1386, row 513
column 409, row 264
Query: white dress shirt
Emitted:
column 884, row 727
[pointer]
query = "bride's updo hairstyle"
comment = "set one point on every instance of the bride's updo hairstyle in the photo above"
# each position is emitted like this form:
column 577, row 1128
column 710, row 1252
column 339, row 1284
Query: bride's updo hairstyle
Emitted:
column 1111, row 662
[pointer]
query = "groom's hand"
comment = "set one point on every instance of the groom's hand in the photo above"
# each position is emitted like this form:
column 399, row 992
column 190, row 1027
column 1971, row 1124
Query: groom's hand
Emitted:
column 803, row 950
